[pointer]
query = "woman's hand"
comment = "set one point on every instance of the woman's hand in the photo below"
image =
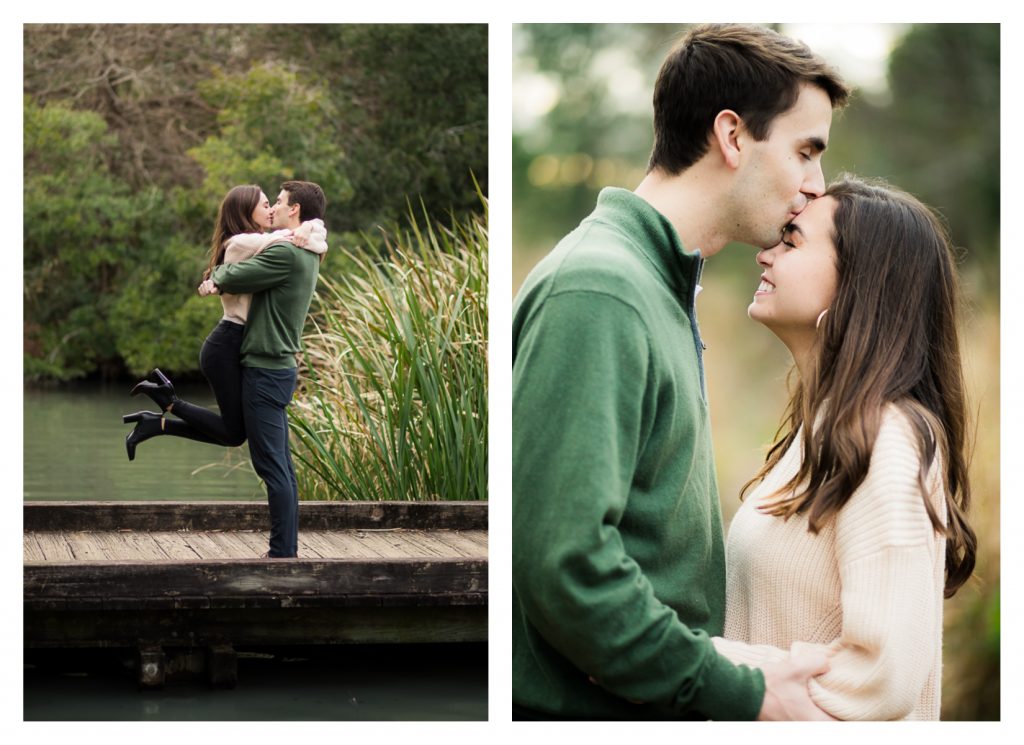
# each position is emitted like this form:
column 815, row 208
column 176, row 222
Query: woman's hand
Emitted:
column 786, row 694
column 207, row 288
column 300, row 236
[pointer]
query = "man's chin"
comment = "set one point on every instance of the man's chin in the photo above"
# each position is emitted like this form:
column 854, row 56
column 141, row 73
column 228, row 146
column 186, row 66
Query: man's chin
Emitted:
column 771, row 241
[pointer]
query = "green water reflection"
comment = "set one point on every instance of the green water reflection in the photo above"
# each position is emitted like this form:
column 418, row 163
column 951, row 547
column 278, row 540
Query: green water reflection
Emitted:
column 74, row 449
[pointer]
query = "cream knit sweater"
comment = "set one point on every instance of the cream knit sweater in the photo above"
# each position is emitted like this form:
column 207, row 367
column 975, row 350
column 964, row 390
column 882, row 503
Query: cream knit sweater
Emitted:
column 246, row 245
column 870, row 585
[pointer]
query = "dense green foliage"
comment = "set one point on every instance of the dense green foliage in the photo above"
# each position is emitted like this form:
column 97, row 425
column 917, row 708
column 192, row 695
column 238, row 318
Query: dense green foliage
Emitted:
column 94, row 248
column 393, row 399
column 272, row 127
column 134, row 133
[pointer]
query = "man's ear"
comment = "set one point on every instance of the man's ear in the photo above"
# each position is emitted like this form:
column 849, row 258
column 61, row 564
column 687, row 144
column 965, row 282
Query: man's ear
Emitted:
column 725, row 136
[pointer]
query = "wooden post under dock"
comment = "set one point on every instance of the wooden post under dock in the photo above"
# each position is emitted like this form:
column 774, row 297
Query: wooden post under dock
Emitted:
column 170, row 578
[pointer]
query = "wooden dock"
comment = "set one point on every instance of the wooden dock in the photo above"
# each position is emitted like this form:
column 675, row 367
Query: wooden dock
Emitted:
column 171, row 578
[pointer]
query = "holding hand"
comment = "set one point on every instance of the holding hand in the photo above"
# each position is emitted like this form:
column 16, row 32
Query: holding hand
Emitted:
column 785, row 684
column 208, row 288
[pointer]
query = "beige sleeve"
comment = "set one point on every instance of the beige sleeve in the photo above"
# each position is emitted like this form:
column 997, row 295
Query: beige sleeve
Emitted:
column 317, row 238
column 246, row 245
column 752, row 655
column 887, row 551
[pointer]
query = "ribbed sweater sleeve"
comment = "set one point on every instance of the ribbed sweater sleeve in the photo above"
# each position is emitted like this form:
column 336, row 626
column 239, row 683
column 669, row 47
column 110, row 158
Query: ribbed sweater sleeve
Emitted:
column 889, row 575
column 885, row 549
column 246, row 245
column 754, row 655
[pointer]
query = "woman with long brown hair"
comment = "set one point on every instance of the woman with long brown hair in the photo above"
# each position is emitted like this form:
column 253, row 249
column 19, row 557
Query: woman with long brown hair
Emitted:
column 855, row 529
column 239, row 233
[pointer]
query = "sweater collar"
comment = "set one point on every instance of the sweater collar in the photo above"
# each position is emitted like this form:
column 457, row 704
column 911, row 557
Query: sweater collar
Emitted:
column 654, row 237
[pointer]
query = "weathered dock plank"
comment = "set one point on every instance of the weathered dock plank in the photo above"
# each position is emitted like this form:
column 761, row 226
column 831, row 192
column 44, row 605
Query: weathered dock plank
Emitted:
column 386, row 544
column 142, row 545
column 255, row 542
column 246, row 627
column 258, row 583
column 55, row 546
column 190, row 576
column 192, row 545
column 342, row 545
column 449, row 542
column 205, row 545
column 175, row 545
column 171, row 516
column 84, row 547
column 234, row 545
column 33, row 551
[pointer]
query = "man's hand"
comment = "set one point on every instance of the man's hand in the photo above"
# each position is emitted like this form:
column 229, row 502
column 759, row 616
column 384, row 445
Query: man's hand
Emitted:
column 208, row 288
column 785, row 685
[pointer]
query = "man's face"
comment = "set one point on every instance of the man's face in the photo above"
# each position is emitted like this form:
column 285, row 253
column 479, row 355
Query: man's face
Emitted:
column 284, row 215
column 780, row 175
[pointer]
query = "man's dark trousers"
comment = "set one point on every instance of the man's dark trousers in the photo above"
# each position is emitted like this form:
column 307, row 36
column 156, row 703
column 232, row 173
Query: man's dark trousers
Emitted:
column 266, row 395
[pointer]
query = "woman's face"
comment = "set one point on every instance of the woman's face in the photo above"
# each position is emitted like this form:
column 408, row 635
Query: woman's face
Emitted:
column 799, row 279
column 261, row 215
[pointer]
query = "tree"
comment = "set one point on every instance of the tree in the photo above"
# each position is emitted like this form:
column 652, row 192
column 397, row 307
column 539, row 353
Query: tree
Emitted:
column 412, row 106
column 274, row 126
column 83, row 228
column 942, row 130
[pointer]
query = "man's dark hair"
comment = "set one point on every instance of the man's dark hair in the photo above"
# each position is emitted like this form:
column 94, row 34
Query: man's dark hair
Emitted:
column 309, row 196
column 751, row 70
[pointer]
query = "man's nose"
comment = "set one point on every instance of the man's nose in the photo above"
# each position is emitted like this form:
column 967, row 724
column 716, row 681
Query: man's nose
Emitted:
column 814, row 184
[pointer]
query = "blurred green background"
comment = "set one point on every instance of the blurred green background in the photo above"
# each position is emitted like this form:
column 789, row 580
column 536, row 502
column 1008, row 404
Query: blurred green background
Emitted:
column 925, row 116
column 134, row 133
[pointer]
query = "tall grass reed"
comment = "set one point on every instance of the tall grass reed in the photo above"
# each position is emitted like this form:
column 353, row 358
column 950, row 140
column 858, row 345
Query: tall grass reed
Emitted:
column 392, row 402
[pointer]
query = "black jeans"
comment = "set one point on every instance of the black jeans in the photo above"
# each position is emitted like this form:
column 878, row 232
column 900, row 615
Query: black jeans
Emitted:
column 265, row 397
column 220, row 361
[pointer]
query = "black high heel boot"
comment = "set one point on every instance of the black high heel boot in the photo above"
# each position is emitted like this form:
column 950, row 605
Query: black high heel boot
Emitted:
column 162, row 393
column 148, row 424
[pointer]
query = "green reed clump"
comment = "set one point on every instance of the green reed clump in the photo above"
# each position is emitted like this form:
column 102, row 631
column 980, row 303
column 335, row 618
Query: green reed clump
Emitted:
column 392, row 402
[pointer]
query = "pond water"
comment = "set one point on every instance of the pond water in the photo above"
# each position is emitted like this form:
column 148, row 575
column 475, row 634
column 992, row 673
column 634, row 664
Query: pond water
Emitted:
column 425, row 682
column 74, row 450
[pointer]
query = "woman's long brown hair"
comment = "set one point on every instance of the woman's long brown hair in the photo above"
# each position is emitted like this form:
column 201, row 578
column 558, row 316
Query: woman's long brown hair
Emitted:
column 234, row 216
column 889, row 337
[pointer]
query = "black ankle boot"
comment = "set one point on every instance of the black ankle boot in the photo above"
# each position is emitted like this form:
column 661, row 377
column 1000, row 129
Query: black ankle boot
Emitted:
column 162, row 393
column 148, row 424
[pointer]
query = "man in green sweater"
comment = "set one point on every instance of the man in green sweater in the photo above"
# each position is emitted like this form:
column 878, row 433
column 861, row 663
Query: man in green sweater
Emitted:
column 618, row 570
column 281, row 279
